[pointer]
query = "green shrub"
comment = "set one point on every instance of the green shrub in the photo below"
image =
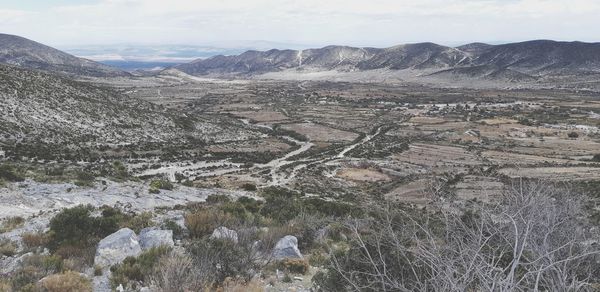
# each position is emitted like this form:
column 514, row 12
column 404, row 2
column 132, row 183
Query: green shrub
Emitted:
column 119, row 171
column 217, row 199
column 178, row 231
column 315, row 205
column 84, row 178
column 280, row 204
column 76, row 227
column 249, row 187
column 134, row 270
column 10, row 173
column 250, row 204
column 160, row 184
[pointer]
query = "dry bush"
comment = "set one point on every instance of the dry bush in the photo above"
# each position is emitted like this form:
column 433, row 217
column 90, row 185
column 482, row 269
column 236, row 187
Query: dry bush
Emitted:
column 5, row 286
column 35, row 240
column 67, row 282
column 7, row 247
column 203, row 222
column 85, row 254
column 295, row 266
column 177, row 272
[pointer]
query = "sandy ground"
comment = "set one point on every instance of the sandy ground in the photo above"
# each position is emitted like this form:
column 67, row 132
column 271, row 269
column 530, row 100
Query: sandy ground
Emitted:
column 365, row 175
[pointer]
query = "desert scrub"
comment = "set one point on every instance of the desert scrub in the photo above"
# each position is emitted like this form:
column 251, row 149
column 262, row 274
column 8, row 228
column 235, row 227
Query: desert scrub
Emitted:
column 76, row 227
column 160, row 184
column 178, row 231
column 228, row 259
column 7, row 247
column 34, row 240
column 84, row 178
column 202, row 222
column 11, row 223
column 67, row 282
column 11, row 173
column 294, row 266
column 32, row 269
column 134, row 271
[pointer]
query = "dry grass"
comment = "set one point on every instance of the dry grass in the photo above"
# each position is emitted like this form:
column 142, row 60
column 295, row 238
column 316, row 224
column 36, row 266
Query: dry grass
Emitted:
column 67, row 282
column 203, row 222
column 238, row 286
column 35, row 240
column 7, row 247
column 11, row 223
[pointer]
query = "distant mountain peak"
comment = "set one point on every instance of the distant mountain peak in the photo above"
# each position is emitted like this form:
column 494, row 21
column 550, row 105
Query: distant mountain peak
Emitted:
column 513, row 61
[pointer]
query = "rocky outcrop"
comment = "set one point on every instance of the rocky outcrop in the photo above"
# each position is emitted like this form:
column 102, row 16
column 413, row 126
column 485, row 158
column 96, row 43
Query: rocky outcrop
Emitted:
column 114, row 248
column 286, row 248
column 152, row 237
column 225, row 233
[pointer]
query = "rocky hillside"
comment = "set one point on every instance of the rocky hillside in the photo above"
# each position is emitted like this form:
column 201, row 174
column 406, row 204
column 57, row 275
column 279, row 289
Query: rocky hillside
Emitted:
column 516, row 61
column 18, row 51
column 37, row 108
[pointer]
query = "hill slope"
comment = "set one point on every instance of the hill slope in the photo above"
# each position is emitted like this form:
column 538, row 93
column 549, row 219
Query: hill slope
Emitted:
column 18, row 51
column 44, row 109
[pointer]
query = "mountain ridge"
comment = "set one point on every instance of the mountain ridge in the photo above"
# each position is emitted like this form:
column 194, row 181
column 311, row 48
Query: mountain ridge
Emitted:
column 527, row 60
column 29, row 54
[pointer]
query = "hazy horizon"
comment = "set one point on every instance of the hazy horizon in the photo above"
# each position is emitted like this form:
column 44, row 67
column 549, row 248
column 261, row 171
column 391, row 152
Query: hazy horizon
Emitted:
column 379, row 23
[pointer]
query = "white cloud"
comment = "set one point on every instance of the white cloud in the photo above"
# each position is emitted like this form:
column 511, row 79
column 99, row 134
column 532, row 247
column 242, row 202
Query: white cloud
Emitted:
column 358, row 22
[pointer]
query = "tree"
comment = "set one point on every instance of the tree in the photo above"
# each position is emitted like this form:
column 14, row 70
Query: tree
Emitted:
column 536, row 237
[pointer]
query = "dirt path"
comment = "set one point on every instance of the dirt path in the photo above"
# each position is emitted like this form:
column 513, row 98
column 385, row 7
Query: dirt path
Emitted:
column 363, row 141
column 281, row 178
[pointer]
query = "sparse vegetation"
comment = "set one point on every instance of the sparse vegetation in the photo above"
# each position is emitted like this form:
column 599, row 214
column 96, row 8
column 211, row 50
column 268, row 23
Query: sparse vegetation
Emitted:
column 67, row 282
column 160, row 184
column 136, row 270
column 11, row 223
column 7, row 247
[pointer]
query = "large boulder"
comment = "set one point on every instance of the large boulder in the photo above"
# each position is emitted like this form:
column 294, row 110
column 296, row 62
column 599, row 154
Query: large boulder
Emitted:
column 286, row 248
column 152, row 237
column 225, row 233
column 114, row 248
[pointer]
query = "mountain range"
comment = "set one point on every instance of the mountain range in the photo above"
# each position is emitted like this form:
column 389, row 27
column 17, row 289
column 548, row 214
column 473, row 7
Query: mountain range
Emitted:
column 517, row 61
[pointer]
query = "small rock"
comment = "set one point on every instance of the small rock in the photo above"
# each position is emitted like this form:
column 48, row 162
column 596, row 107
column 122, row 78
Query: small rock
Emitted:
column 114, row 248
column 287, row 247
column 152, row 237
column 225, row 233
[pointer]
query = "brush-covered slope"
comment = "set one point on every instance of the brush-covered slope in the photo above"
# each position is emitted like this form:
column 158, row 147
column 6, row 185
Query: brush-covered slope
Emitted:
column 22, row 52
column 37, row 108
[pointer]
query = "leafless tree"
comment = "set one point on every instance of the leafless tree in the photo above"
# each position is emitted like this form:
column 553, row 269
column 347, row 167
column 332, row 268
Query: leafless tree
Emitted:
column 534, row 238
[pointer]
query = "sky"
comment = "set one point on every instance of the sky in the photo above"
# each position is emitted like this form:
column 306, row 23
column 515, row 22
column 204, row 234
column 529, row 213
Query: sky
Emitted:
column 376, row 23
